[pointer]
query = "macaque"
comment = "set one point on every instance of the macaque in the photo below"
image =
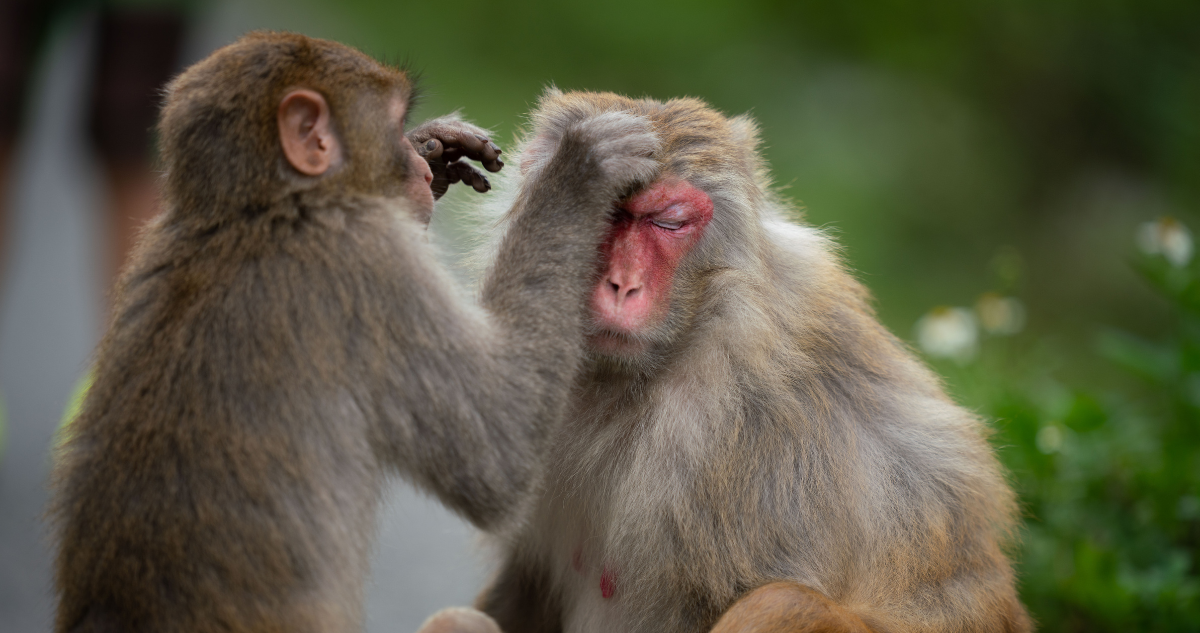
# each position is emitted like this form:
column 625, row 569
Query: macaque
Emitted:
column 284, row 339
column 746, row 447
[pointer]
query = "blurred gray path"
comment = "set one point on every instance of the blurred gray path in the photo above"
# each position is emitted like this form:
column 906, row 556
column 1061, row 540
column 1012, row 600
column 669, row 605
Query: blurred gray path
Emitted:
column 49, row 323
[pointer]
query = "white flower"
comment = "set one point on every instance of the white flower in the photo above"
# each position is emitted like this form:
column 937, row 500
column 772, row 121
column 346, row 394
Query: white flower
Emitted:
column 1000, row 315
column 1167, row 237
column 948, row 333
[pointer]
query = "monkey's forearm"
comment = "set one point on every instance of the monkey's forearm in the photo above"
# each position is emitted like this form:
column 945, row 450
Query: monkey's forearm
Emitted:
column 466, row 402
column 499, row 382
column 562, row 214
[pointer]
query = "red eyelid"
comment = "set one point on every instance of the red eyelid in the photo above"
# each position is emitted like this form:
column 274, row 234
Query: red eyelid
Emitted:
column 683, row 225
column 673, row 213
column 671, row 201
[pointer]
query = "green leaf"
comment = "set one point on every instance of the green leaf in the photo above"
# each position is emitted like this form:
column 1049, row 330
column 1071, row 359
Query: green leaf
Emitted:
column 1153, row 362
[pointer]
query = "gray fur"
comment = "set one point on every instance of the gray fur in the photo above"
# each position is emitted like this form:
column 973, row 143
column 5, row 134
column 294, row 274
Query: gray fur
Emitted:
column 773, row 431
column 281, row 344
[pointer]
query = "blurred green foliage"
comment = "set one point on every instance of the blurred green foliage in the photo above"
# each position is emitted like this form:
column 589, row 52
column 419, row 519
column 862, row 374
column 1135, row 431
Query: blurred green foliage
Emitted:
column 928, row 136
column 1109, row 480
column 953, row 147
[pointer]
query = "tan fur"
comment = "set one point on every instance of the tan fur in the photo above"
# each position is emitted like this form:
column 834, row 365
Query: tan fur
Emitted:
column 282, row 343
column 772, row 431
column 786, row 607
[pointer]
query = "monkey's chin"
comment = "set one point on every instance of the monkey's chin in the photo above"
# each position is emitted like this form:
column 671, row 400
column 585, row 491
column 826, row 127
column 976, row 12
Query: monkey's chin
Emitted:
column 610, row 343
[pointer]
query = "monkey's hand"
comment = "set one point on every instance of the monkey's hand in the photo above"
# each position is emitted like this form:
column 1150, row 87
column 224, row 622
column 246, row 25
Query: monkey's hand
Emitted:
column 443, row 141
column 615, row 150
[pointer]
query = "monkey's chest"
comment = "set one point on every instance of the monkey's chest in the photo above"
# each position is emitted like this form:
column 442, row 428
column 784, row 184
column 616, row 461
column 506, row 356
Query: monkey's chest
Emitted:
column 611, row 491
column 598, row 554
column 592, row 594
column 611, row 573
column 583, row 554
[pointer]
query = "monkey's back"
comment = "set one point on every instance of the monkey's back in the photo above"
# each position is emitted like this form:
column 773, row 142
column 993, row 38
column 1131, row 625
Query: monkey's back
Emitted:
column 205, row 465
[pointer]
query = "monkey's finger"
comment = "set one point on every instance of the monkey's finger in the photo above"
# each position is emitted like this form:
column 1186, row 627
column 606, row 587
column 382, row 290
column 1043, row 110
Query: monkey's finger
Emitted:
column 439, row 185
column 431, row 149
column 476, row 146
column 493, row 165
column 489, row 150
column 487, row 154
column 452, row 154
column 470, row 176
column 472, row 144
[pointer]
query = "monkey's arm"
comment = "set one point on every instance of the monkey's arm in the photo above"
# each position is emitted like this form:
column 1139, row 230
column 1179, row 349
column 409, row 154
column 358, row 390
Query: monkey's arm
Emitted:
column 481, row 389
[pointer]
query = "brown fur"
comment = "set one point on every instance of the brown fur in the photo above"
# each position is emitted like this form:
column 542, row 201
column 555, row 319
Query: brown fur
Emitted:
column 772, row 431
column 281, row 343
column 787, row 607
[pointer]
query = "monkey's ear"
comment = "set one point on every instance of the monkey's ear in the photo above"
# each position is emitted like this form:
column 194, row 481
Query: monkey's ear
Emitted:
column 306, row 132
column 745, row 131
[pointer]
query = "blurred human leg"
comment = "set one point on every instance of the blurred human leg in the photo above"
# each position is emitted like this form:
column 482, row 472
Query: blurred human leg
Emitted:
column 139, row 49
column 22, row 28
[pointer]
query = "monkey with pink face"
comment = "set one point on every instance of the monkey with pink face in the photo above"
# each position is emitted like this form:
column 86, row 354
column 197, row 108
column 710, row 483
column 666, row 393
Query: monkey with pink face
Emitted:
column 746, row 448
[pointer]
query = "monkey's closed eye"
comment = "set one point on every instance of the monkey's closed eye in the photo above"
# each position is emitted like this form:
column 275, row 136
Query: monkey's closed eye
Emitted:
column 670, row 225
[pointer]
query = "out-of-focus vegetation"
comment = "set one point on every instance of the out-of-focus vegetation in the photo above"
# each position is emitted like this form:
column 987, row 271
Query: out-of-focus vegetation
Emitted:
column 1007, row 147
column 931, row 137
column 1109, row 479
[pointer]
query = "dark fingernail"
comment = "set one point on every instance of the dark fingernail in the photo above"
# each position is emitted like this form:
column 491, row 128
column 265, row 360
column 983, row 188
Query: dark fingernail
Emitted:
column 430, row 145
column 481, row 138
column 495, row 148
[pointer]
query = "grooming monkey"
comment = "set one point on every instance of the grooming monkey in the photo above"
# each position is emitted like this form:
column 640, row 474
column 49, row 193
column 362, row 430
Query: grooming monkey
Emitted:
column 284, row 339
column 746, row 448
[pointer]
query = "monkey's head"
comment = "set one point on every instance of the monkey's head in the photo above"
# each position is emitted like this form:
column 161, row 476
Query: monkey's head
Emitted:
column 671, row 237
column 279, row 116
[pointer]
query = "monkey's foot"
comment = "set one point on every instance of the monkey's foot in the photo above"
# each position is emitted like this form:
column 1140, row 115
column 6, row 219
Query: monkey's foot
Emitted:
column 459, row 620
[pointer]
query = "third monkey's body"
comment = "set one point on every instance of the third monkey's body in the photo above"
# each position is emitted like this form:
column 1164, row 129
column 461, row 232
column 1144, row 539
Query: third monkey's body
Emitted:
column 761, row 427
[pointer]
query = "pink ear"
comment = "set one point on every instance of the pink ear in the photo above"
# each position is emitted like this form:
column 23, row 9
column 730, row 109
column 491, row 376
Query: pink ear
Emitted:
column 306, row 132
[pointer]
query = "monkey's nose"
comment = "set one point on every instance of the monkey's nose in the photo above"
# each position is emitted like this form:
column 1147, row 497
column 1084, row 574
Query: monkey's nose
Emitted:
column 622, row 293
column 621, row 303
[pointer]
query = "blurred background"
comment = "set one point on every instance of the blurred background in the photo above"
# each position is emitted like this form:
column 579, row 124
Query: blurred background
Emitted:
column 1014, row 181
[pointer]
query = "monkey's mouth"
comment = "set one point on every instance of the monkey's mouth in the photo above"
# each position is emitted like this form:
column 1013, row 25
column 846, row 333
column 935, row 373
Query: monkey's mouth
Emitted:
column 614, row 343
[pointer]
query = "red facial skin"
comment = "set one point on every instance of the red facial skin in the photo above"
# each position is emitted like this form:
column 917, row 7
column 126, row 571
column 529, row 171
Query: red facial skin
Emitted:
column 419, row 176
column 416, row 183
column 655, row 229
